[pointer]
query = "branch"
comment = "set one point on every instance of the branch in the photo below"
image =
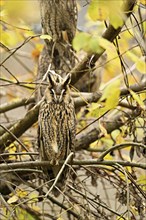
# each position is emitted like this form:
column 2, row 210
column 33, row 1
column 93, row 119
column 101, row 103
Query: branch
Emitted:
column 110, row 34
column 21, row 45
column 21, row 144
column 94, row 201
column 31, row 117
column 93, row 133
column 94, row 97
column 15, row 104
column 96, row 162
column 80, row 99
column 119, row 146
column 20, row 127
column 138, row 87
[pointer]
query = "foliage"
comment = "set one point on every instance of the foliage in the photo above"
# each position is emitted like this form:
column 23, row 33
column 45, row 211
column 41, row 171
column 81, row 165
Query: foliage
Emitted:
column 108, row 178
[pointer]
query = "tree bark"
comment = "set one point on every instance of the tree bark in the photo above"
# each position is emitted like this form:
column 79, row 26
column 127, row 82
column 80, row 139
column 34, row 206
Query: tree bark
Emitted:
column 59, row 20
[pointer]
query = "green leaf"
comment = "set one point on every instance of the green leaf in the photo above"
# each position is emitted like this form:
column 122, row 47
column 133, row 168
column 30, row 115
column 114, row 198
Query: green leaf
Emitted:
column 87, row 42
column 81, row 41
column 94, row 45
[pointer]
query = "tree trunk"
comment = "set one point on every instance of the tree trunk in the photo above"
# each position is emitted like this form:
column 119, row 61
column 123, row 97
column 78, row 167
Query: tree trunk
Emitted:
column 58, row 18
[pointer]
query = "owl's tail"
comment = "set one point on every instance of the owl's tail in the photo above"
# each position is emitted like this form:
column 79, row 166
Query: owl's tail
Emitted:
column 59, row 180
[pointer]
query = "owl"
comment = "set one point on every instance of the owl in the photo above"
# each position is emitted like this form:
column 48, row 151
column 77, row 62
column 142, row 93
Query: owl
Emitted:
column 56, row 127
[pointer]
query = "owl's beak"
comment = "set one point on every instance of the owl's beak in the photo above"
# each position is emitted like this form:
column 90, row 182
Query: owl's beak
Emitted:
column 58, row 99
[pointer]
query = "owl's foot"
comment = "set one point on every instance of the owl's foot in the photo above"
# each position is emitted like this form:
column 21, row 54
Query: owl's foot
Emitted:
column 54, row 162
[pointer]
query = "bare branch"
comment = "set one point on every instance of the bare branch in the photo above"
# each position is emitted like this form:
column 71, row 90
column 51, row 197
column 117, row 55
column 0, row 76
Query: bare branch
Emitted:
column 20, row 127
column 15, row 104
column 119, row 146
column 95, row 162
column 93, row 133
column 14, row 51
column 21, row 144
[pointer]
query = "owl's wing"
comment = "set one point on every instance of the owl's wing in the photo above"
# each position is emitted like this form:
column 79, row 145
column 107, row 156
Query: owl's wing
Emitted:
column 40, row 143
column 72, row 131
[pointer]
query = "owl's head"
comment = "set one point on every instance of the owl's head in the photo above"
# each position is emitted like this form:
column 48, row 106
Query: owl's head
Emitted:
column 58, row 89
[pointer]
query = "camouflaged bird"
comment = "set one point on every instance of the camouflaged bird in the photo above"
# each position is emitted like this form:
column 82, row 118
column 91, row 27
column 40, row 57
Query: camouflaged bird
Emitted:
column 56, row 129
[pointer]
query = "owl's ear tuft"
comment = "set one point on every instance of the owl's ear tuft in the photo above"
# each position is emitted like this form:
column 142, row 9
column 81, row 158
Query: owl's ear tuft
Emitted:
column 67, row 80
column 51, row 80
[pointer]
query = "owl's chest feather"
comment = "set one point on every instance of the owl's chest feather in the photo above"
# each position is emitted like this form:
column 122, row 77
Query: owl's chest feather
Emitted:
column 55, row 128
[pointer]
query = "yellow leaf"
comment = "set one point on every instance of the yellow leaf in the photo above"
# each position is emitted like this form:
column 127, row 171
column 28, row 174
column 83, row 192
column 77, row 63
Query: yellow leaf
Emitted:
column 96, row 110
column 117, row 18
column 21, row 193
column 117, row 136
column 13, row 199
column 111, row 95
column 109, row 100
column 46, row 36
column 101, row 10
column 33, row 197
column 105, row 43
column 142, row 2
column 110, row 51
column 98, row 10
column 2, row 2
column 9, row 38
column 11, row 150
column 140, row 62
column 144, row 28
column 108, row 157
column 141, row 66
column 121, row 218
column 137, row 99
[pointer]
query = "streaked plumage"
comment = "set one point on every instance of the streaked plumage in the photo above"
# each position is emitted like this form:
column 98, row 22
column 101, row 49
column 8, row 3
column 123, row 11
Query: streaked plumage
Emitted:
column 56, row 132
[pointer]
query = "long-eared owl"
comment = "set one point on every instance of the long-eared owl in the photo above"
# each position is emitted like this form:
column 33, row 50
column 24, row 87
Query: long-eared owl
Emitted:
column 56, row 129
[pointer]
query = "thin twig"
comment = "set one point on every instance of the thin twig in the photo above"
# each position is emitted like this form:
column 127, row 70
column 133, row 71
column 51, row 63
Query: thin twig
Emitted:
column 25, row 148
column 21, row 45
column 59, row 173
column 19, row 153
column 21, row 170
column 119, row 146
column 94, row 201
column 128, row 192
